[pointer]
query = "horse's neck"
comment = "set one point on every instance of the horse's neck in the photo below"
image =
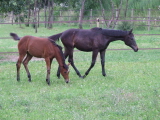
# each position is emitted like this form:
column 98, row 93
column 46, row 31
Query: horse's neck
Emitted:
column 59, row 57
column 116, row 38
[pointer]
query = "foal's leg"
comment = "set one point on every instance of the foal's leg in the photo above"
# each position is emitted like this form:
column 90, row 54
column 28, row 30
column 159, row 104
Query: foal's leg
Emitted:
column 58, row 71
column 25, row 63
column 94, row 56
column 18, row 65
column 48, row 64
column 102, row 54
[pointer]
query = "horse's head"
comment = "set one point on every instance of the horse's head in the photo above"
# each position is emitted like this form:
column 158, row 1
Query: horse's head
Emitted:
column 65, row 72
column 130, row 41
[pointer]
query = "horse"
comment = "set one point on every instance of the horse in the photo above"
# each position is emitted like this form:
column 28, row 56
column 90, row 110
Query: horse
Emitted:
column 29, row 46
column 96, row 40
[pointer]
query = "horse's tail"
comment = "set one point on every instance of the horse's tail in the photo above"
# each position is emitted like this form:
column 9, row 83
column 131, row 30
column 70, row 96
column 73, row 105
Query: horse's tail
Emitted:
column 15, row 36
column 55, row 37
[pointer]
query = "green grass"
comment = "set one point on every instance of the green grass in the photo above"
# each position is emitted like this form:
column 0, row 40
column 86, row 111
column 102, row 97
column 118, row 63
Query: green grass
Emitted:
column 131, row 90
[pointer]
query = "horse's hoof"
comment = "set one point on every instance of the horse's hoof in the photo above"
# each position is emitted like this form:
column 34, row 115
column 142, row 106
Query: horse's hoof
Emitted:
column 104, row 75
column 83, row 76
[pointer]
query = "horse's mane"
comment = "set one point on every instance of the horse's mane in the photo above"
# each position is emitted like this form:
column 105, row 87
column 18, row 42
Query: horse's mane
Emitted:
column 61, row 53
column 115, row 33
column 96, row 29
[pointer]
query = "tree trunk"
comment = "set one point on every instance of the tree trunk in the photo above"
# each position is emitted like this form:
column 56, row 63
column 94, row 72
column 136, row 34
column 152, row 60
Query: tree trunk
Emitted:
column 103, row 14
column 113, row 15
column 29, row 14
column 50, row 17
column 81, row 14
column 45, row 14
column 38, row 11
column 117, row 16
column 125, row 12
column 35, row 15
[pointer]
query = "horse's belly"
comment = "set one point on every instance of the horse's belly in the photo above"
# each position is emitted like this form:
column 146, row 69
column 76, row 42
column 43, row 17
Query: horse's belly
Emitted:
column 84, row 48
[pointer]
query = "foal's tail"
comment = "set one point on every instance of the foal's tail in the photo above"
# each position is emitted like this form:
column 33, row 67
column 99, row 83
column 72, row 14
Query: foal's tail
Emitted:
column 55, row 37
column 14, row 36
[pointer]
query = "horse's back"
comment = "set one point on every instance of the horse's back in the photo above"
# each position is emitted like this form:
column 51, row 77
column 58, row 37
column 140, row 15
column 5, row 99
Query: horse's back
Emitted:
column 82, row 39
column 36, row 46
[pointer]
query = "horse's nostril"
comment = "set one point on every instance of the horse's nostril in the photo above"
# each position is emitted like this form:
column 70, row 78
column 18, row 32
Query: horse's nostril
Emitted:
column 67, row 81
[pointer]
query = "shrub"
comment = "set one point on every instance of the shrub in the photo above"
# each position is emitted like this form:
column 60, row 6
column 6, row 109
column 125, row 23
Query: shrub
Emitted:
column 124, row 25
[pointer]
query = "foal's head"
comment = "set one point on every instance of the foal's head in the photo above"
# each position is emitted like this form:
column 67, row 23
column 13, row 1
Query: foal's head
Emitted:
column 65, row 72
column 64, row 69
column 130, row 41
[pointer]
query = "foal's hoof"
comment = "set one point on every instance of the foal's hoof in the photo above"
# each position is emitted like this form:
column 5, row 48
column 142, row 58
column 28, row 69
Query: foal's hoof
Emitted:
column 58, row 77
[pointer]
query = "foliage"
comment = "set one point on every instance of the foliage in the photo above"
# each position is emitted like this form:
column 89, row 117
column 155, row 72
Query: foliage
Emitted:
column 141, row 26
column 125, row 25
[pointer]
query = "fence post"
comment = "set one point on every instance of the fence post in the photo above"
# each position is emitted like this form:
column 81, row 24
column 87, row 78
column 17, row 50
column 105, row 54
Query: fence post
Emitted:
column 149, row 18
column 132, row 15
column 60, row 14
column 80, row 21
column 116, row 21
column 91, row 18
column 97, row 22
column 12, row 15
column 69, row 17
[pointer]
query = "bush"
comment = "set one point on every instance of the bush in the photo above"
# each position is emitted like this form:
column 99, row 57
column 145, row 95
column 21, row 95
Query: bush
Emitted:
column 141, row 26
column 124, row 25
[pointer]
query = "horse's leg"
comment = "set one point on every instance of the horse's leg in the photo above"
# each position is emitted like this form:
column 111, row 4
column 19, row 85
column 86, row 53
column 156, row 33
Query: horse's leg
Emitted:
column 70, row 60
column 25, row 63
column 58, row 71
column 48, row 64
column 18, row 65
column 102, row 54
column 94, row 56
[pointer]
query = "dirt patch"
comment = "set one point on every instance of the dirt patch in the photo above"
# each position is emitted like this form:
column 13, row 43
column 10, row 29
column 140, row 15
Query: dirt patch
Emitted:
column 14, row 58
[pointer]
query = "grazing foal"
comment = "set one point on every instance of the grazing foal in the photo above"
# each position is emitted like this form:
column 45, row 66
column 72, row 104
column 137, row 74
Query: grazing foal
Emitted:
column 46, row 48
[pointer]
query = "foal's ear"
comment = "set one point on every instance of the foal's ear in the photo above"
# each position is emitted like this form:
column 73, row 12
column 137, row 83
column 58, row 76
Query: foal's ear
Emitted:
column 130, row 31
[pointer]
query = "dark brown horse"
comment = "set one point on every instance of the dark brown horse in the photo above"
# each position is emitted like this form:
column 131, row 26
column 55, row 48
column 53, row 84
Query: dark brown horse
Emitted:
column 46, row 48
column 96, row 40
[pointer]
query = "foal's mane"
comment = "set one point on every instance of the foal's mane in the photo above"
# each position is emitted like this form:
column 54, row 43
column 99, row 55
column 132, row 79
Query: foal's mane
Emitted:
column 115, row 33
column 61, row 53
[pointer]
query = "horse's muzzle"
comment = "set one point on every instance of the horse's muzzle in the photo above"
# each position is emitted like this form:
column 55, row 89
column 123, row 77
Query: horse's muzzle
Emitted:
column 136, row 49
column 67, row 80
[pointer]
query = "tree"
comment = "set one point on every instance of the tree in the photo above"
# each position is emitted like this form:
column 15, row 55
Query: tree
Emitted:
column 81, row 14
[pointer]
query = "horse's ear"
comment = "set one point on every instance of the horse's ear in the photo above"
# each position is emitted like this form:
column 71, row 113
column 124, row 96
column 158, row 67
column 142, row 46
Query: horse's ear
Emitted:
column 130, row 31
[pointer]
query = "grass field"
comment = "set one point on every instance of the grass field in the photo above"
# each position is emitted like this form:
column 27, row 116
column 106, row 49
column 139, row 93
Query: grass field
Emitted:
column 131, row 90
